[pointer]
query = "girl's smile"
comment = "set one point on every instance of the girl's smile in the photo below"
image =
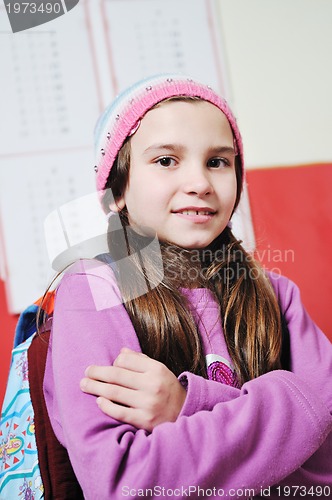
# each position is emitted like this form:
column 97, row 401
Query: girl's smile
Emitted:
column 198, row 215
column 182, row 181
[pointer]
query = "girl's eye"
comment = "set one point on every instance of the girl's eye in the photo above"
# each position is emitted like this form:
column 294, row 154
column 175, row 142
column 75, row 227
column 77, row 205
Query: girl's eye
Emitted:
column 166, row 161
column 218, row 163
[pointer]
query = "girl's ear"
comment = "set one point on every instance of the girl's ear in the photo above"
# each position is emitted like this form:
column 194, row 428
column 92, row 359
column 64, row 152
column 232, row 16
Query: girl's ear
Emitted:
column 117, row 205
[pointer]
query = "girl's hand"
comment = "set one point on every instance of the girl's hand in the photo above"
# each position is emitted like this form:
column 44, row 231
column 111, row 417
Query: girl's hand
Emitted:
column 137, row 390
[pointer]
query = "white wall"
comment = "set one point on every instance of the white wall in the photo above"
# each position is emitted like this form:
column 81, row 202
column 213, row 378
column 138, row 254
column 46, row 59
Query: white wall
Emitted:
column 279, row 62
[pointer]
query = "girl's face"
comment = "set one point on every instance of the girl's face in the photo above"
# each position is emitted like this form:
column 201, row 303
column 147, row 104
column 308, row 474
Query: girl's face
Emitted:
column 182, row 181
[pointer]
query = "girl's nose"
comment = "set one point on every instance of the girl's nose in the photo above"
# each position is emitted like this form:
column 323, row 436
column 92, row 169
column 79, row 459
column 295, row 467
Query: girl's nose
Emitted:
column 197, row 182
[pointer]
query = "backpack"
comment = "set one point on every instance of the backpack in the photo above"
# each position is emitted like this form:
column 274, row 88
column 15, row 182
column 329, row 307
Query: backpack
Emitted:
column 33, row 464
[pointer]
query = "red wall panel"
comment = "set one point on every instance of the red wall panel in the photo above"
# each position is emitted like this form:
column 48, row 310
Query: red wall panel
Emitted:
column 7, row 328
column 292, row 215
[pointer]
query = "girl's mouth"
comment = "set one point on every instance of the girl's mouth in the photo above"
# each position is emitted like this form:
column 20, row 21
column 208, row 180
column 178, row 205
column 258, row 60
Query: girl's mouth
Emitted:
column 195, row 214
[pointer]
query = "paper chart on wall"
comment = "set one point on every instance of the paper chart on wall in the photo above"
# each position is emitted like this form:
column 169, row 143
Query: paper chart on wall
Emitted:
column 146, row 37
column 54, row 87
column 49, row 97
column 49, row 103
column 27, row 263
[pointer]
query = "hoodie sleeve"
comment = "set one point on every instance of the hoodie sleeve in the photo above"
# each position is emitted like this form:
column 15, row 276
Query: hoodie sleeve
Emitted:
column 221, row 439
column 311, row 361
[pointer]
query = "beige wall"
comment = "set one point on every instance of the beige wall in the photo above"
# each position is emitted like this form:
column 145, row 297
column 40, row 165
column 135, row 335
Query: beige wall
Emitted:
column 280, row 67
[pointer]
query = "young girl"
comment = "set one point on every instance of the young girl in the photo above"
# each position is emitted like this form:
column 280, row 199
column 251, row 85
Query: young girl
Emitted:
column 183, row 341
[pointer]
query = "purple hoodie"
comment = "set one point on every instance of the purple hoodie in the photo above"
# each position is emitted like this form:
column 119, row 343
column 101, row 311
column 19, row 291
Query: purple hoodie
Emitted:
column 274, row 430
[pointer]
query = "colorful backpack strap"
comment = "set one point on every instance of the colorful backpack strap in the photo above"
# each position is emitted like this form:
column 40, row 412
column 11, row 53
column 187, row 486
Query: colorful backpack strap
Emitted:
column 19, row 469
column 26, row 325
column 27, row 322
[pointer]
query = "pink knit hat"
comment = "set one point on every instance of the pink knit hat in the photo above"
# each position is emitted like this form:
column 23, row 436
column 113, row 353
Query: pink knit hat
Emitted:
column 121, row 118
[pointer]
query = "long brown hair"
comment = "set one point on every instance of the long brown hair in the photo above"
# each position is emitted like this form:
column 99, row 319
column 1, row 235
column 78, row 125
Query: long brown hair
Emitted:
column 165, row 328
